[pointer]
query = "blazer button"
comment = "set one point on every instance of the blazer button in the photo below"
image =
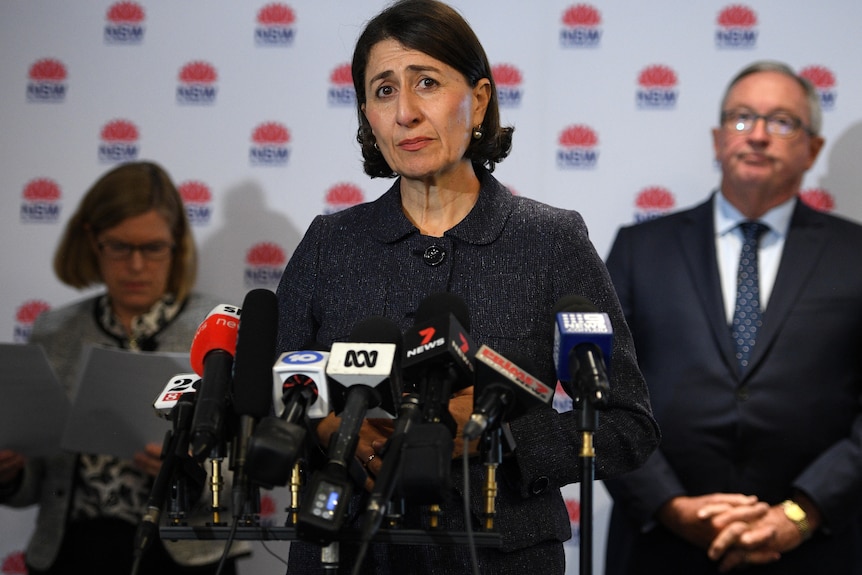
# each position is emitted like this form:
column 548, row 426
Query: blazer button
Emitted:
column 539, row 485
column 434, row 255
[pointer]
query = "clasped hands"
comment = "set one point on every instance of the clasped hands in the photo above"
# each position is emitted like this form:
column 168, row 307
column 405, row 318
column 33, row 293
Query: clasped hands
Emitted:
column 735, row 529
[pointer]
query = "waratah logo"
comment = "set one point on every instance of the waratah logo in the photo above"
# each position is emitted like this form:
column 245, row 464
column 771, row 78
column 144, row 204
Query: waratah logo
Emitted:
column 341, row 92
column 196, row 199
column 275, row 25
column 25, row 316
column 119, row 142
column 125, row 23
column 13, row 564
column 824, row 82
column 269, row 145
column 819, row 199
column 581, row 27
column 573, row 506
column 737, row 27
column 197, row 84
column 652, row 202
column 508, row 80
column 657, row 88
column 47, row 81
column 264, row 265
column 41, row 201
column 578, row 148
column 343, row 196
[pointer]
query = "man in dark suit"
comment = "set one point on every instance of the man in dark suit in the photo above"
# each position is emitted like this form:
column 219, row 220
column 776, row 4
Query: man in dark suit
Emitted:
column 756, row 385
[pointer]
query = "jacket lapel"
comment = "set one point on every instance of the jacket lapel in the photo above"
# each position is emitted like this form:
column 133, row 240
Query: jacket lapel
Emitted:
column 699, row 249
column 802, row 250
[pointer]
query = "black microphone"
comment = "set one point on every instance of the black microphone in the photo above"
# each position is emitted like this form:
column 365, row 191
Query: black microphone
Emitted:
column 299, row 391
column 211, row 356
column 252, row 384
column 181, row 395
column 439, row 354
column 438, row 361
column 364, row 379
column 504, row 390
column 583, row 339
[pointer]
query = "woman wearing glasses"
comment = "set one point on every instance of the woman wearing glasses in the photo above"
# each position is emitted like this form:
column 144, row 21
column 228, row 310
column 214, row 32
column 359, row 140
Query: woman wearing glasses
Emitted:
column 130, row 233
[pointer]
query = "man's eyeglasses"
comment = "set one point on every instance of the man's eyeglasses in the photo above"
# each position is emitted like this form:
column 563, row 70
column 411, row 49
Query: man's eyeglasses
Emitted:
column 781, row 124
column 114, row 250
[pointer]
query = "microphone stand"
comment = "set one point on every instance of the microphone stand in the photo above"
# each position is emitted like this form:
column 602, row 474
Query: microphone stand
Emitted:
column 175, row 447
column 588, row 422
column 492, row 453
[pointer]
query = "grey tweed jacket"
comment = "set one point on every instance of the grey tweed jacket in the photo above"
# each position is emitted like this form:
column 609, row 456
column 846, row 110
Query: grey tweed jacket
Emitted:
column 63, row 333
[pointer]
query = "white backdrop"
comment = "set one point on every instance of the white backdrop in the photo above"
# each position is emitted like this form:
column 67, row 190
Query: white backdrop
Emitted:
column 249, row 106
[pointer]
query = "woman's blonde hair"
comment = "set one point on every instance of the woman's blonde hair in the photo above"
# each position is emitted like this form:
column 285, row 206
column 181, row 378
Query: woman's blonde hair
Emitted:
column 126, row 191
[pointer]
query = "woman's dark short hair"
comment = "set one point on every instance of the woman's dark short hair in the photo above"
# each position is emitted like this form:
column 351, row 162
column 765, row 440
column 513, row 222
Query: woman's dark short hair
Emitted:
column 126, row 191
column 436, row 29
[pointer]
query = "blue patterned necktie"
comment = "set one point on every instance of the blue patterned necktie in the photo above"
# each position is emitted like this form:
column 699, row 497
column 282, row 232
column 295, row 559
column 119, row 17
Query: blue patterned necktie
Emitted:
column 746, row 314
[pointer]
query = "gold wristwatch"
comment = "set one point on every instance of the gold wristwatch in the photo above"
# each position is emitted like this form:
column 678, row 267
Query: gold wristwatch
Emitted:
column 798, row 516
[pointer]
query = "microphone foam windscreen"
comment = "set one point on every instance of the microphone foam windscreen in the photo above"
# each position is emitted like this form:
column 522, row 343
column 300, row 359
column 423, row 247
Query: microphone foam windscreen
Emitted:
column 255, row 353
column 442, row 303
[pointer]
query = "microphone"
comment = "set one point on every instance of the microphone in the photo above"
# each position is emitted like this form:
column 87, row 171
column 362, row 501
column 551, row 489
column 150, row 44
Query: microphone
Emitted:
column 583, row 339
column 252, row 377
column 439, row 354
column 503, row 391
column 211, row 357
column 299, row 390
column 295, row 373
column 364, row 379
column 169, row 397
column 438, row 361
column 177, row 403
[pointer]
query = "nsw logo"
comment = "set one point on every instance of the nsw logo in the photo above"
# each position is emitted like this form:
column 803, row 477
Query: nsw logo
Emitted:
column 824, row 82
column 581, row 27
column 652, row 202
column 197, row 84
column 737, row 28
column 657, row 88
column 275, row 25
column 13, row 563
column 269, row 145
column 25, row 315
column 196, row 199
column 47, row 81
column 818, row 198
column 40, row 201
column 342, row 196
column 508, row 80
column 119, row 142
column 341, row 91
column 577, row 148
column 124, row 23
column 264, row 264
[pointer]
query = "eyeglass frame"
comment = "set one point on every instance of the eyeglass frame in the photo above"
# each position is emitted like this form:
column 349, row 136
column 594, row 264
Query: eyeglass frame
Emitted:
column 150, row 251
column 796, row 122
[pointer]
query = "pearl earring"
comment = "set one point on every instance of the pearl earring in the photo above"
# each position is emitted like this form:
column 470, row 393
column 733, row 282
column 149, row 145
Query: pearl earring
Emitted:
column 478, row 133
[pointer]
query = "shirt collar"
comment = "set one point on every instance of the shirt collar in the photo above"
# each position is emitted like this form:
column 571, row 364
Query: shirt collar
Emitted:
column 727, row 217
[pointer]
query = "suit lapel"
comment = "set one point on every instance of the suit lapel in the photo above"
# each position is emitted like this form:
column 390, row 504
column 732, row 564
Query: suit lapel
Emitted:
column 802, row 250
column 700, row 257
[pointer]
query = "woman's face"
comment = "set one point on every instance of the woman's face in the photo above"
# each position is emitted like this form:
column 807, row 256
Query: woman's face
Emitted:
column 422, row 112
column 135, row 260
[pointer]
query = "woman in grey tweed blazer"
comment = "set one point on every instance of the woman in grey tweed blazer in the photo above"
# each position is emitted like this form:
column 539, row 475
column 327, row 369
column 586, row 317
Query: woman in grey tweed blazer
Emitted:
column 131, row 234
